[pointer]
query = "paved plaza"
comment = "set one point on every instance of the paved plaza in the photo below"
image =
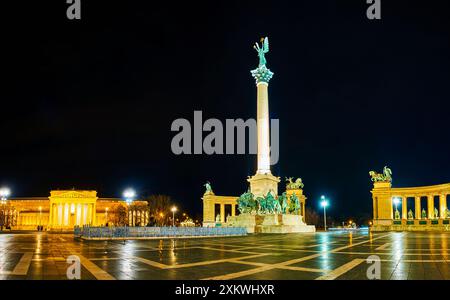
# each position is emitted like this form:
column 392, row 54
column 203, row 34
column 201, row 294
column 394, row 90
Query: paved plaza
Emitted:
column 326, row 256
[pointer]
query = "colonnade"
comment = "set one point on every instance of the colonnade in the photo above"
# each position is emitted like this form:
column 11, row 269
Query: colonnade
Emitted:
column 222, row 211
column 69, row 214
column 418, row 209
column 209, row 208
column 138, row 218
column 387, row 201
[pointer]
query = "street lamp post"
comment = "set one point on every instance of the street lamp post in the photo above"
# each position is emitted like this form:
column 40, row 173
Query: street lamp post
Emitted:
column 173, row 210
column 324, row 204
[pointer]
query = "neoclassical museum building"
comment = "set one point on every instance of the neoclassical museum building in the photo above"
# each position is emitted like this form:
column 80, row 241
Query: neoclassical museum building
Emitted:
column 64, row 209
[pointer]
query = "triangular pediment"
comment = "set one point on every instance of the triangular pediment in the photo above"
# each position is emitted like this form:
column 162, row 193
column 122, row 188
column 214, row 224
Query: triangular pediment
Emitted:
column 73, row 194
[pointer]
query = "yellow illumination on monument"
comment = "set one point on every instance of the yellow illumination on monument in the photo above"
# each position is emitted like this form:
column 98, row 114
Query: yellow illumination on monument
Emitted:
column 386, row 199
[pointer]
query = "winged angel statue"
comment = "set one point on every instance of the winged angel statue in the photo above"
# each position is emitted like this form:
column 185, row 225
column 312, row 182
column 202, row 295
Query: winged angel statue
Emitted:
column 262, row 50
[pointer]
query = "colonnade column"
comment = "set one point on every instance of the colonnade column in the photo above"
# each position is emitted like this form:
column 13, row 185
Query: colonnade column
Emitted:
column 66, row 214
column 443, row 206
column 418, row 209
column 430, row 202
column 222, row 213
column 404, row 208
column 89, row 214
column 82, row 214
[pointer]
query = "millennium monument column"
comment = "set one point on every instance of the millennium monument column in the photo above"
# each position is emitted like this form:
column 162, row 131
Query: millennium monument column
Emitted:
column 263, row 181
column 261, row 209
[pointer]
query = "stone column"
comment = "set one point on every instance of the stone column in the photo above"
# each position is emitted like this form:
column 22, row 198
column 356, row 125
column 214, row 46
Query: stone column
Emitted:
column 60, row 214
column 263, row 181
column 66, row 214
column 263, row 128
column 89, row 218
column 50, row 216
column 222, row 213
column 82, row 214
column 233, row 210
column 72, row 215
column 417, row 208
column 430, row 205
column 442, row 206
column 94, row 214
column 85, row 214
column 404, row 208
column 55, row 214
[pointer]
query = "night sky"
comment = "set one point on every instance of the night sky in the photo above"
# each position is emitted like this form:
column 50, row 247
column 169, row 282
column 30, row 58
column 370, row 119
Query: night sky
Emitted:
column 89, row 103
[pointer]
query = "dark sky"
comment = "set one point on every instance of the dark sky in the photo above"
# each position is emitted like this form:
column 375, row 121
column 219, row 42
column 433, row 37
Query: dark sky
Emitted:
column 89, row 103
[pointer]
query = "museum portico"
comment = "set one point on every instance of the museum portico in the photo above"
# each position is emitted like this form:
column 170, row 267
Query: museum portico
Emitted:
column 409, row 208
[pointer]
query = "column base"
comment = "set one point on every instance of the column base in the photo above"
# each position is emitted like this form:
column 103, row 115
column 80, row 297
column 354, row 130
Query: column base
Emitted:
column 261, row 184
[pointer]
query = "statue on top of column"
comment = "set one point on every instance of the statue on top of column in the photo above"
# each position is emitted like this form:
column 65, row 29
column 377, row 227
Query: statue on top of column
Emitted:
column 208, row 188
column 262, row 74
column 294, row 185
column 385, row 177
column 262, row 50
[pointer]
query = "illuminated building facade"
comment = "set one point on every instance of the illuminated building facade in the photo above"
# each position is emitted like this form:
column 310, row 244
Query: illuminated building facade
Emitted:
column 64, row 209
column 422, row 208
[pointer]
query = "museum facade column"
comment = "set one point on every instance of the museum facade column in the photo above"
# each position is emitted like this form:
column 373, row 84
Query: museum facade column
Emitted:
column 50, row 216
column 94, row 214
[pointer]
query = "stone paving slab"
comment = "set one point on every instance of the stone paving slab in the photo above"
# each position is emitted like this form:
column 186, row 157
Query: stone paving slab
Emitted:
column 322, row 256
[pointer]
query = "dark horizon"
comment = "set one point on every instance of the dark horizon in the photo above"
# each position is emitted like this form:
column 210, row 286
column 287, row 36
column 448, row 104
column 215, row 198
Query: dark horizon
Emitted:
column 91, row 101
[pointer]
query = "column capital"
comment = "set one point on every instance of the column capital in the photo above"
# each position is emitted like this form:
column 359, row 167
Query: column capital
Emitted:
column 262, row 74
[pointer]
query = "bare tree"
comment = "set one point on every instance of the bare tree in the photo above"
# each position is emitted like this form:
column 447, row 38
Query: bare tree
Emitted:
column 311, row 217
column 119, row 215
column 159, row 208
